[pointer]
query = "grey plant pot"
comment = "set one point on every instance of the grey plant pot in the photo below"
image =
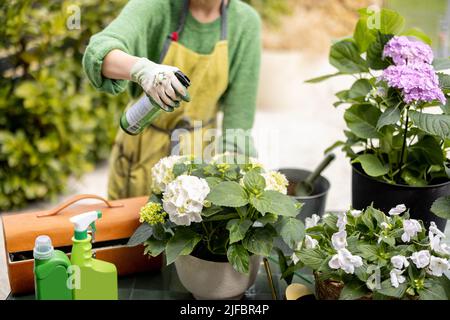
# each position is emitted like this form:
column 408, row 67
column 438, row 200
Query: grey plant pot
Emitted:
column 311, row 204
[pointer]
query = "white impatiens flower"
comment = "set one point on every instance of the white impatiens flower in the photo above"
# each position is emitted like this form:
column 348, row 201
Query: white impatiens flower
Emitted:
column 341, row 221
column 399, row 262
column 339, row 240
column 312, row 221
column 276, row 181
column 184, row 198
column 435, row 230
column 310, row 243
column 438, row 266
column 410, row 229
column 437, row 245
column 421, row 258
column 162, row 172
column 385, row 225
column 396, row 277
column 346, row 261
column 397, row 210
column 355, row 213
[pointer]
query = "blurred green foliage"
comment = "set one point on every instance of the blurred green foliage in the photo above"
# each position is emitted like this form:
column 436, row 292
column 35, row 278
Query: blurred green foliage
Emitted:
column 53, row 123
column 271, row 11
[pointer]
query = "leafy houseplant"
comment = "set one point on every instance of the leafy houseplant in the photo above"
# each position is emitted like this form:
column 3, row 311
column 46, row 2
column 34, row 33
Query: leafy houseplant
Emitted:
column 371, row 255
column 220, row 211
column 398, row 113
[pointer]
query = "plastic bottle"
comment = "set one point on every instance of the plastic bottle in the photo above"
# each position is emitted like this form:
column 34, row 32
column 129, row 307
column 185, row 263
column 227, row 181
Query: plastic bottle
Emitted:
column 97, row 280
column 143, row 112
column 50, row 271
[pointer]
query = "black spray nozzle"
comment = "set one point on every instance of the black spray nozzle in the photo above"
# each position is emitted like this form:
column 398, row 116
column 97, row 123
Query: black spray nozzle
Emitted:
column 183, row 79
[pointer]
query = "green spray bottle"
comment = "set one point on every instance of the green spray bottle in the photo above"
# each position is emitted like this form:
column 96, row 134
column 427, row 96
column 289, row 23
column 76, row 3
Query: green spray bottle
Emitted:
column 51, row 272
column 93, row 279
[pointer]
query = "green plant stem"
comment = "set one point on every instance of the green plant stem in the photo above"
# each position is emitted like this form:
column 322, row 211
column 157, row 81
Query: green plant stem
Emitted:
column 405, row 134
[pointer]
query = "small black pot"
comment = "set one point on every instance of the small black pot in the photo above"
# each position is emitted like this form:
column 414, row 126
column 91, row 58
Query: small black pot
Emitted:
column 314, row 203
column 385, row 196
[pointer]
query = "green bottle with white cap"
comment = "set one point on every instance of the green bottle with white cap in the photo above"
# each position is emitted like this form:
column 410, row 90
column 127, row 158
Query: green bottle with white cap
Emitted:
column 51, row 272
column 93, row 279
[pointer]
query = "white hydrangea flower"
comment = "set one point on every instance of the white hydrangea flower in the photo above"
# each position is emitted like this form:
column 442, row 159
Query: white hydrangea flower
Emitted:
column 339, row 240
column 355, row 213
column 346, row 261
column 312, row 221
column 184, row 198
column 399, row 262
column 396, row 277
column 276, row 181
column 438, row 266
column 162, row 172
column 341, row 221
column 397, row 210
column 421, row 258
column 410, row 229
column 310, row 243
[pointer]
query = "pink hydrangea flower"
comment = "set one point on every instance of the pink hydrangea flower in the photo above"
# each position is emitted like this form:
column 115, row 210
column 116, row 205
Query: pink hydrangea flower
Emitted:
column 403, row 51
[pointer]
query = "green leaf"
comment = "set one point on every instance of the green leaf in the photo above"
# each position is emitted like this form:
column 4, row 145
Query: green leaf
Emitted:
column 371, row 165
column 444, row 81
column 359, row 89
column 228, row 194
column 375, row 52
column 344, row 55
column 388, row 290
column 239, row 258
column 268, row 218
column 435, row 124
column 142, row 233
column 391, row 22
column 312, row 258
column 353, row 290
column 441, row 64
column 259, row 241
column 212, row 210
column 179, row 169
column 322, row 78
column 368, row 251
column 154, row 247
column 254, row 182
column 238, row 228
column 182, row 243
column 417, row 33
column 213, row 181
column 433, row 291
column 274, row 202
column 390, row 116
column 362, row 120
column 292, row 230
column 363, row 35
column 441, row 207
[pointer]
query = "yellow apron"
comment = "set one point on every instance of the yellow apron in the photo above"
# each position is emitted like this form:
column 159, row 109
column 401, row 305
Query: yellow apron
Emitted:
column 132, row 157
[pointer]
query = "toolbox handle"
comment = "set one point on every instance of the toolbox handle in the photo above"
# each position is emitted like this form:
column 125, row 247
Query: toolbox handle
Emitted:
column 74, row 199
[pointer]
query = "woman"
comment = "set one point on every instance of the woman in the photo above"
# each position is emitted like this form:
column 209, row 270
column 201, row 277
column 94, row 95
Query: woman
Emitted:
column 216, row 43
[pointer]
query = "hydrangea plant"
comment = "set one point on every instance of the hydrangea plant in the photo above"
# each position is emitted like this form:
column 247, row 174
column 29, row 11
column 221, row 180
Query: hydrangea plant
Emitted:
column 224, row 209
column 370, row 253
column 398, row 110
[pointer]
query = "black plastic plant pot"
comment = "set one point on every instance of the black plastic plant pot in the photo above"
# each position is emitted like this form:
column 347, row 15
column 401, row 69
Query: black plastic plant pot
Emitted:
column 314, row 203
column 384, row 196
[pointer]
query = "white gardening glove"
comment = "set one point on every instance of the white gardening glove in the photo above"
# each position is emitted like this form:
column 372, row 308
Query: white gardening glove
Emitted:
column 159, row 83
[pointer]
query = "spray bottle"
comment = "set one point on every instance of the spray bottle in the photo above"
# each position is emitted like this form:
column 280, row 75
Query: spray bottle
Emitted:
column 50, row 271
column 143, row 112
column 94, row 279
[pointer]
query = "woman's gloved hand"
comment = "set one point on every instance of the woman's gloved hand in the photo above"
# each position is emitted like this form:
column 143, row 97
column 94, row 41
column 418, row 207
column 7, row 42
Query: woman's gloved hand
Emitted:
column 159, row 83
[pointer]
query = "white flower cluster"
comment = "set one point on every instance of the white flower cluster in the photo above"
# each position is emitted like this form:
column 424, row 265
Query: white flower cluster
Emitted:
column 162, row 172
column 309, row 242
column 276, row 181
column 436, row 266
column 184, row 198
column 343, row 259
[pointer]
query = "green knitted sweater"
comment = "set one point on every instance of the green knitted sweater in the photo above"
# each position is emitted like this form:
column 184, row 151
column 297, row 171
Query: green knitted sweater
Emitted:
column 141, row 29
